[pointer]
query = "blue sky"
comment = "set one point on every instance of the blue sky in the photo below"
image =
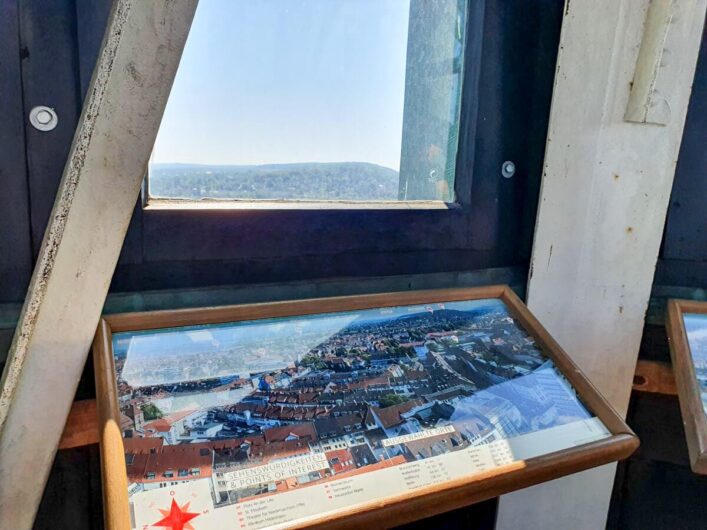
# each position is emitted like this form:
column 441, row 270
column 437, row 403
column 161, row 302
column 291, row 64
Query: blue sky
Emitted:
column 281, row 81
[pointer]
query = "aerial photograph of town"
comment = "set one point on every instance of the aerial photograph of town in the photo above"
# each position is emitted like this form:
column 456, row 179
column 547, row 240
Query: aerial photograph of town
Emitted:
column 332, row 395
column 696, row 328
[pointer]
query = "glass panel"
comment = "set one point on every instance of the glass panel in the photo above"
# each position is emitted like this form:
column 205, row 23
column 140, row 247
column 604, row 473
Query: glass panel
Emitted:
column 696, row 328
column 314, row 100
column 376, row 402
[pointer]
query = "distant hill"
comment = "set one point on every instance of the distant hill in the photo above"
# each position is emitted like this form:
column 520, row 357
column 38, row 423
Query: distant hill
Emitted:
column 307, row 181
column 424, row 318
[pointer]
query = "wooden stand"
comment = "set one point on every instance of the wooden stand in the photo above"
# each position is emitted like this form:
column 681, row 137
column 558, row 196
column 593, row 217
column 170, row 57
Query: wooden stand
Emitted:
column 393, row 510
column 688, row 390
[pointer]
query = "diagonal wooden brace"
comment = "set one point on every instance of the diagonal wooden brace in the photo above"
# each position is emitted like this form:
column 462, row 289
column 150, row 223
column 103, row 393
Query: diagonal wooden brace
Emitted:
column 101, row 182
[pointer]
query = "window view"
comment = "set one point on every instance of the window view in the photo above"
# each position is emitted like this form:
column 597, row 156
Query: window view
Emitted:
column 314, row 100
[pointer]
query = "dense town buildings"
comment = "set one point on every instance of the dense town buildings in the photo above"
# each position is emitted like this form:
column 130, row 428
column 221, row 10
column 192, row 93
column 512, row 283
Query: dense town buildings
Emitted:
column 375, row 393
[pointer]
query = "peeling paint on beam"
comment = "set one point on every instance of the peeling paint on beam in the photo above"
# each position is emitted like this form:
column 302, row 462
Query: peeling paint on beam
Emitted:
column 101, row 181
column 647, row 102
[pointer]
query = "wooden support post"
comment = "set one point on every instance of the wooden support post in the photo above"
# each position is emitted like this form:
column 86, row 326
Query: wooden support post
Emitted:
column 101, row 181
column 604, row 197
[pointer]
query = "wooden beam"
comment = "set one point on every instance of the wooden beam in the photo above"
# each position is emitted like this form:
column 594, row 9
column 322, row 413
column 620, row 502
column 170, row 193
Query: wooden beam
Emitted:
column 81, row 426
column 654, row 377
column 605, row 191
column 101, row 182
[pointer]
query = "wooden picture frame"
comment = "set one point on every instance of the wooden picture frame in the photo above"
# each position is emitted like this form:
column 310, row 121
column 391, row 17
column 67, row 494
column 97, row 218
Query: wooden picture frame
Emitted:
column 618, row 441
column 694, row 412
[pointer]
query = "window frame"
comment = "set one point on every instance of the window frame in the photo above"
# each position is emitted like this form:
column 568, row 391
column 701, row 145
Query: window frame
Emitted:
column 172, row 234
column 507, row 83
column 461, row 181
column 511, row 94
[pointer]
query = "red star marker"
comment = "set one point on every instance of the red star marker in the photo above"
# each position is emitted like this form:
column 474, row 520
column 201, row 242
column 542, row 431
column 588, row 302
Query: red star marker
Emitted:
column 176, row 518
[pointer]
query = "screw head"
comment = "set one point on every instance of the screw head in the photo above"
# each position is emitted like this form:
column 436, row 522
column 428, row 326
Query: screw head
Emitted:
column 43, row 118
column 508, row 169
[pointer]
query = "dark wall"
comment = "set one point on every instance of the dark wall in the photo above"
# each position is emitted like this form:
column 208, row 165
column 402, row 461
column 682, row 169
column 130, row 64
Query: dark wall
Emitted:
column 683, row 259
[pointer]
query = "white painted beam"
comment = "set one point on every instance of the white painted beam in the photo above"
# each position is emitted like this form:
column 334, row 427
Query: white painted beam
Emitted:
column 101, row 182
column 604, row 197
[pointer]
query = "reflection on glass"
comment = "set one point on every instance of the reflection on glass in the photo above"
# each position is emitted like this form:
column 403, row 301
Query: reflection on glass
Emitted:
column 696, row 328
column 268, row 406
column 317, row 100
